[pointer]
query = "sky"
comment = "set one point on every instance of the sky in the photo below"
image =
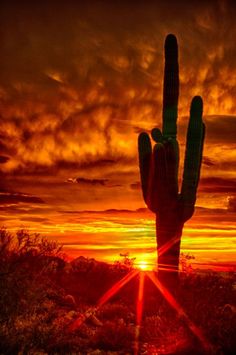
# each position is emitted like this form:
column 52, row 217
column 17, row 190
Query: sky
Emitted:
column 79, row 80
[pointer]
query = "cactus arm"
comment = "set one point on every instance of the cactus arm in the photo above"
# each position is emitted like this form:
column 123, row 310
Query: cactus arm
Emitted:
column 193, row 157
column 170, row 88
column 170, row 112
column 201, row 148
column 145, row 156
column 157, row 135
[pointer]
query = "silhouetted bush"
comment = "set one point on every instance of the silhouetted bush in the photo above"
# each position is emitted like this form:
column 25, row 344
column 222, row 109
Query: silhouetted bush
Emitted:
column 28, row 264
column 114, row 336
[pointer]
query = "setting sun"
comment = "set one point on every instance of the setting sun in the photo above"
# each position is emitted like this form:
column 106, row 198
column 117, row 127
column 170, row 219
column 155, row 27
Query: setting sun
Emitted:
column 143, row 265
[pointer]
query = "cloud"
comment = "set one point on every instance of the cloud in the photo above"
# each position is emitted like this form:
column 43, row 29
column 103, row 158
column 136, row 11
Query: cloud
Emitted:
column 232, row 204
column 84, row 181
column 3, row 159
column 113, row 211
column 207, row 185
column 217, row 185
column 208, row 161
column 81, row 94
column 135, row 185
column 220, row 128
column 35, row 219
column 13, row 198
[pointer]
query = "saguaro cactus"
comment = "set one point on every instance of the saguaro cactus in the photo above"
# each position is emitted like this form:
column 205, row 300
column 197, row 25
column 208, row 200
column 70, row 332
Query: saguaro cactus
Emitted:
column 159, row 165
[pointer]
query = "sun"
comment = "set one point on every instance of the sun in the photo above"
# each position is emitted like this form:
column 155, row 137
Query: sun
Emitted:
column 143, row 265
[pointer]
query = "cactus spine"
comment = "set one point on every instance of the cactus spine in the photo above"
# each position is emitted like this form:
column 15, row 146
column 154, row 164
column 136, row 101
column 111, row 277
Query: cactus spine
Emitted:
column 159, row 166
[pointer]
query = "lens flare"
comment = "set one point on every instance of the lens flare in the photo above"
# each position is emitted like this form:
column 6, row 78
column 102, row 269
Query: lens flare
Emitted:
column 106, row 297
column 164, row 248
column 174, row 304
column 139, row 312
column 114, row 289
column 139, row 307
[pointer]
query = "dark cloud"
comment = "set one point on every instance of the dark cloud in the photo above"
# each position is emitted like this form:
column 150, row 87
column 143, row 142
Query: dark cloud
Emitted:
column 3, row 159
column 217, row 185
column 17, row 197
column 207, row 184
column 232, row 204
column 93, row 182
column 84, row 181
column 99, row 163
column 220, row 128
column 208, row 161
column 109, row 211
column 34, row 219
column 136, row 185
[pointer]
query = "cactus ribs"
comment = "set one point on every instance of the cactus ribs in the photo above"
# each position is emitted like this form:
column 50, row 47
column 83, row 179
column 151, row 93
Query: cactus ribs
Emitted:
column 159, row 167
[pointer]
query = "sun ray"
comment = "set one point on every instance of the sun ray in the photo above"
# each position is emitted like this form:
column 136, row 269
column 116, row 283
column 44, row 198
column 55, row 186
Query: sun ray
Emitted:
column 81, row 319
column 106, row 297
column 174, row 304
column 163, row 249
column 115, row 288
column 139, row 311
column 169, row 268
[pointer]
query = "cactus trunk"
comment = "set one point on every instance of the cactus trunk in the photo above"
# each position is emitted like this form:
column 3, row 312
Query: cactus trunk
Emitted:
column 168, row 238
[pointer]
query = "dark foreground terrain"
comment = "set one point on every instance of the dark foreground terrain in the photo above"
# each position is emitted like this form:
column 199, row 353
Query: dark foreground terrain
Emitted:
column 50, row 306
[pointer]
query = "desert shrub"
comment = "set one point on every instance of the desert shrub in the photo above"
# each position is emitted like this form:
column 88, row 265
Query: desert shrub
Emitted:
column 25, row 265
column 185, row 263
column 205, row 297
column 113, row 311
column 28, row 298
column 41, row 295
column 114, row 335
column 125, row 263
column 163, row 335
column 93, row 277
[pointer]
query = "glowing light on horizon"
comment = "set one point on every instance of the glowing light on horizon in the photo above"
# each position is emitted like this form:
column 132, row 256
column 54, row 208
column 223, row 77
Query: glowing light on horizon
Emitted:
column 143, row 265
column 106, row 238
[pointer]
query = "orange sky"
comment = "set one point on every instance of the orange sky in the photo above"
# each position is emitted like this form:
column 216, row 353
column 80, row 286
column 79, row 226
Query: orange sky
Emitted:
column 78, row 82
